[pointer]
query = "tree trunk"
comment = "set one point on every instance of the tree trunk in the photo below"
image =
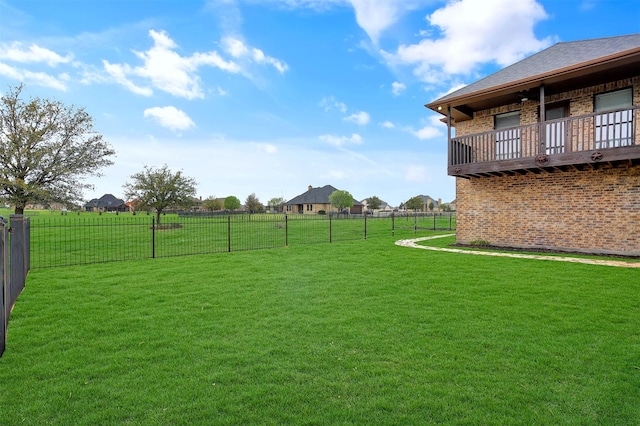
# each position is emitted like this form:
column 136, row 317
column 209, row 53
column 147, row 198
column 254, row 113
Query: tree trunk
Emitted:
column 158, row 212
column 19, row 210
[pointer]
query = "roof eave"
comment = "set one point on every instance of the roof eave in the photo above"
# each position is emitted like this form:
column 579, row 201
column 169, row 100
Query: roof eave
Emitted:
column 557, row 75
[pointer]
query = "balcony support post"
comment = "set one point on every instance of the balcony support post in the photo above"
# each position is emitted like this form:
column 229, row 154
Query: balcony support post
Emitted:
column 449, row 147
column 542, row 131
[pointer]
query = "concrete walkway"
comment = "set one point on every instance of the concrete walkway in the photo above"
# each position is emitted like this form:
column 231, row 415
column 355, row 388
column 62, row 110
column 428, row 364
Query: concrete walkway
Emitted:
column 412, row 243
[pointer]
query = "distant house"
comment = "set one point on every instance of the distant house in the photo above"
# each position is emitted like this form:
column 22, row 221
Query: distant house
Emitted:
column 316, row 200
column 426, row 202
column 106, row 203
column 546, row 152
column 384, row 206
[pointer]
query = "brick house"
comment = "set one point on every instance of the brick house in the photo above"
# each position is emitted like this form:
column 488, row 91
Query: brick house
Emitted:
column 426, row 201
column 106, row 203
column 315, row 200
column 546, row 152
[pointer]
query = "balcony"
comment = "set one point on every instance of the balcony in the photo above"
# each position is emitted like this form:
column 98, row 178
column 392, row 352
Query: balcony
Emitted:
column 586, row 141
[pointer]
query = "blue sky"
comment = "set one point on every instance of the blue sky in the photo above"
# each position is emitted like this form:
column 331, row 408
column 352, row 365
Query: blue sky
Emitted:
column 270, row 96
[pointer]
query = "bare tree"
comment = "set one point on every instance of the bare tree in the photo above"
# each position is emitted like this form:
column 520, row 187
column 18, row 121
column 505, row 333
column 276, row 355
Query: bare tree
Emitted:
column 159, row 188
column 46, row 148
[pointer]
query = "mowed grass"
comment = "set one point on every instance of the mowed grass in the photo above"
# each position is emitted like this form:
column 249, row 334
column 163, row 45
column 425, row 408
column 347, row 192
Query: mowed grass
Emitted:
column 356, row 332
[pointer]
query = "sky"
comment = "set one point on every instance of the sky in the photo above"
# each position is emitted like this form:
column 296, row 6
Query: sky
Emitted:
column 267, row 97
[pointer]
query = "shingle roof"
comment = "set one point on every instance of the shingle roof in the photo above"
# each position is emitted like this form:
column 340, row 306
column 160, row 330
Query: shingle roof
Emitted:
column 107, row 200
column 557, row 57
column 317, row 196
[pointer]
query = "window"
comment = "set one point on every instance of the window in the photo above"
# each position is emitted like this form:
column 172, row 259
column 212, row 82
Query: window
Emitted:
column 555, row 127
column 614, row 127
column 309, row 207
column 508, row 144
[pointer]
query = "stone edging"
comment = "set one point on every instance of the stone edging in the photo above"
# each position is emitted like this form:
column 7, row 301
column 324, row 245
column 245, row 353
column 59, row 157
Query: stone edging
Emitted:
column 412, row 244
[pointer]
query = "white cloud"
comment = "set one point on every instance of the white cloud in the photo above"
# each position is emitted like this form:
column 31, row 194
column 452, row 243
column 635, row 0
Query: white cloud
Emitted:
column 361, row 118
column 261, row 58
column 37, row 78
column 170, row 117
column 215, row 60
column 341, row 140
column 473, row 33
column 119, row 74
column 397, row 88
column 387, row 125
column 329, row 102
column 220, row 91
column 170, row 72
column 427, row 132
column 167, row 70
column 17, row 52
column 235, row 47
column 375, row 16
column 239, row 50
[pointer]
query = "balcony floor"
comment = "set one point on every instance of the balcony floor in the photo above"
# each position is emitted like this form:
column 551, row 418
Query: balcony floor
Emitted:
column 628, row 155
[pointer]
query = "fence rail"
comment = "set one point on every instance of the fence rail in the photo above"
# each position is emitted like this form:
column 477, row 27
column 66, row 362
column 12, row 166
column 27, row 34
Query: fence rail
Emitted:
column 65, row 240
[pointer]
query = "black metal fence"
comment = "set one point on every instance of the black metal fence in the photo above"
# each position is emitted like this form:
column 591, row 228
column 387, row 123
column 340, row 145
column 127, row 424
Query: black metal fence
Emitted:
column 68, row 240
column 14, row 250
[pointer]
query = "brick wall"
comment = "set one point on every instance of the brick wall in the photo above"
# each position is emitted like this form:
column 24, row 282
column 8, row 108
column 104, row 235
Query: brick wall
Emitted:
column 592, row 211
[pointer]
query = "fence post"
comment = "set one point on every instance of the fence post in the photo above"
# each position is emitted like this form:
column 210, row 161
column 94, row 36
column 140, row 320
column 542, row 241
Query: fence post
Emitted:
column 153, row 237
column 415, row 222
column 450, row 221
column 365, row 225
column 434, row 221
column 286, row 230
column 330, row 230
column 393, row 224
column 4, row 298
column 27, row 247
column 229, row 233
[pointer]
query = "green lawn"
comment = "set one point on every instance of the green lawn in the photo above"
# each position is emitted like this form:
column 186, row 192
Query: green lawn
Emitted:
column 356, row 332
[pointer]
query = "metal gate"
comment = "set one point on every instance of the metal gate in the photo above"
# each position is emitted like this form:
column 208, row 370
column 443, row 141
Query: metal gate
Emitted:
column 14, row 251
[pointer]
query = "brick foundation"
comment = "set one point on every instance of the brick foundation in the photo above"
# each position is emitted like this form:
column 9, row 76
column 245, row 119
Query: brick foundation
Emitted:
column 591, row 211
